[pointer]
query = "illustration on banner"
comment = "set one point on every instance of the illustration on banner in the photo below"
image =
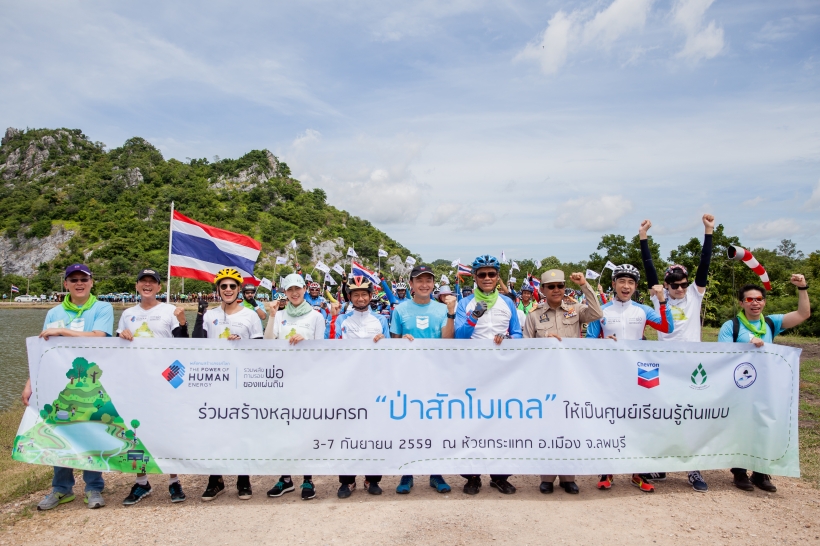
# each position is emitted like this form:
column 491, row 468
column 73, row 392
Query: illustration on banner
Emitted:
column 82, row 429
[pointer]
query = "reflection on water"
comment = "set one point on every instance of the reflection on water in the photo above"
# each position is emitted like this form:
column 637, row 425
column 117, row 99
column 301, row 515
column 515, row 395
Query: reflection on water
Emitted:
column 15, row 326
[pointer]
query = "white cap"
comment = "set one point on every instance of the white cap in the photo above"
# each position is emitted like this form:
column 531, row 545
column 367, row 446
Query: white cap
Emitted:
column 294, row 279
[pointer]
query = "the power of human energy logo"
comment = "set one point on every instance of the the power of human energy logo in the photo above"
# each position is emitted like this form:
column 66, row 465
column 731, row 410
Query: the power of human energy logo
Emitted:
column 174, row 374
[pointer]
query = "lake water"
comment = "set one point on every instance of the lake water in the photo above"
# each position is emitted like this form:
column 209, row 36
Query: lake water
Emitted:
column 15, row 326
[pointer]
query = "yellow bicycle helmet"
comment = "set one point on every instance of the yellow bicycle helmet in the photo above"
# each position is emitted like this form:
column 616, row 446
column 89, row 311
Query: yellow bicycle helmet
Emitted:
column 228, row 273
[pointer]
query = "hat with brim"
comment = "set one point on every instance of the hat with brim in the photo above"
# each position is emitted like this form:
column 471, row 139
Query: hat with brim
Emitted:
column 294, row 279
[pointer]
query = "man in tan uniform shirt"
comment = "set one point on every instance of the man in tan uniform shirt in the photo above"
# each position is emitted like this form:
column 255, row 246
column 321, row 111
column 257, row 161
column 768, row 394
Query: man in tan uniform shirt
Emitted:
column 555, row 318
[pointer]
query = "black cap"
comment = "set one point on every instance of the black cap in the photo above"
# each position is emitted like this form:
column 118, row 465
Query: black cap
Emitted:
column 149, row 273
column 421, row 270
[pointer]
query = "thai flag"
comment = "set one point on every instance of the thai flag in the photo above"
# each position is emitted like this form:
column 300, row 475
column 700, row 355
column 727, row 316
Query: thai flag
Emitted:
column 199, row 251
column 464, row 270
column 535, row 283
column 361, row 271
column 14, row 289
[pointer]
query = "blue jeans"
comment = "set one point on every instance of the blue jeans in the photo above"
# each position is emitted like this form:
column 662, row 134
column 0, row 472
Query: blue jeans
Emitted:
column 63, row 481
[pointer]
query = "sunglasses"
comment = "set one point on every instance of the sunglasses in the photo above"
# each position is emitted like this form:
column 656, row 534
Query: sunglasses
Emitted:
column 82, row 280
column 487, row 275
column 750, row 299
column 677, row 285
column 228, row 286
column 555, row 286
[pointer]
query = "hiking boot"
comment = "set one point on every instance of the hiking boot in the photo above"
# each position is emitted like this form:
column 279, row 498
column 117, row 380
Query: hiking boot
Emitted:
column 281, row 488
column 138, row 492
column 345, row 490
column 473, row 485
column 308, row 491
column 546, row 487
column 94, row 499
column 763, row 481
column 741, row 481
column 570, row 487
column 177, row 495
column 405, row 485
column 503, row 485
column 437, row 482
column 605, row 481
column 243, row 488
column 215, row 488
column 373, row 488
column 697, row 482
column 54, row 499
column 641, row 482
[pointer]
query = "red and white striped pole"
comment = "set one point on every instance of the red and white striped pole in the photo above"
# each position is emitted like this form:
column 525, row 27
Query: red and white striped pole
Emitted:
column 742, row 255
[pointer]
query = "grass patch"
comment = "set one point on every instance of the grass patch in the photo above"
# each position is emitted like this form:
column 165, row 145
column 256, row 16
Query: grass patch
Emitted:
column 809, row 418
column 17, row 479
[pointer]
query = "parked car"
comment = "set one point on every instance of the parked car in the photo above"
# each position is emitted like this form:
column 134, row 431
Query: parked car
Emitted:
column 25, row 298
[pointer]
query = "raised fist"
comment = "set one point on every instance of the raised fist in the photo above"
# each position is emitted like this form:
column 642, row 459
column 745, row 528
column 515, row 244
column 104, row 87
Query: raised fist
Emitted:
column 798, row 280
column 708, row 221
column 578, row 278
column 480, row 309
column 657, row 290
column 645, row 225
column 203, row 306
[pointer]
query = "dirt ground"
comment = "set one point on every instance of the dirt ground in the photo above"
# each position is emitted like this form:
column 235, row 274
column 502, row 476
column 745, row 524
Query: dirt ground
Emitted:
column 674, row 514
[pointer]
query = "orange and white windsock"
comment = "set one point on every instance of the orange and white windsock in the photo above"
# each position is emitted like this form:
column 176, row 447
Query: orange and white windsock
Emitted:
column 742, row 255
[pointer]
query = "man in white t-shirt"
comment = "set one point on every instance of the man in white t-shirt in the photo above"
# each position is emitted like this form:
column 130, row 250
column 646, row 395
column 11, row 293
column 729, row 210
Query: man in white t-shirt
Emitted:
column 149, row 319
column 297, row 322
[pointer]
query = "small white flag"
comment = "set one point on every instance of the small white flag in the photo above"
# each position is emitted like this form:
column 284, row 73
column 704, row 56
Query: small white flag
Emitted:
column 382, row 253
column 339, row 269
column 455, row 262
column 410, row 260
column 610, row 265
column 392, row 268
column 321, row 266
column 444, row 279
column 308, row 277
column 293, row 244
column 512, row 280
column 281, row 281
column 351, row 252
column 503, row 257
column 592, row 274
column 514, row 267
column 537, row 264
column 281, row 260
column 329, row 280
column 266, row 283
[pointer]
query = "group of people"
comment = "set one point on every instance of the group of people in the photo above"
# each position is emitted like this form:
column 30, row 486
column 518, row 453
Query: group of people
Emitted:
column 415, row 310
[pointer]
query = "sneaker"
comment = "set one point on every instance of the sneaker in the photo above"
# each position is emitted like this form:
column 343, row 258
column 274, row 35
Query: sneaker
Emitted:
column 138, row 492
column 437, row 482
column 373, row 488
column 641, row 482
column 281, row 488
column 763, row 481
column 54, row 499
column 605, row 481
column 503, row 485
column 405, row 485
column 655, row 476
column 546, row 487
column 177, row 495
column 346, row 490
column 214, row 489
column 696, row 480
column 94, row 499
column 243, row 489
column 473, row 485
column 308, row 491
column 741, row 481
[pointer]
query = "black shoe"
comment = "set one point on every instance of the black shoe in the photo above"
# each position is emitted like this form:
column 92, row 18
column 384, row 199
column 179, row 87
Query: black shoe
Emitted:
column 281, row 488
column 214, row 489
column 546, row 487
column 177, row 495
column 655, row 476
column 763, row 481
column 346, row 490
column 373, row 488
column 741, row 481
column 138, row 492
column 243, row 489
column 308, row 491
column 570, row 487
column 504, row 486
column 472, row 486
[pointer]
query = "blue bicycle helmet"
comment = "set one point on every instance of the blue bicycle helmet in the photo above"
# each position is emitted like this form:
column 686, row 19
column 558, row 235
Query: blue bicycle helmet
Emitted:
column 486, row 261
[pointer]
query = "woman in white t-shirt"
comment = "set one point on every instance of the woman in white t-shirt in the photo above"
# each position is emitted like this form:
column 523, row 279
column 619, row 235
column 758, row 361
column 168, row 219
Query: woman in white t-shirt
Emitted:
column 297, row 322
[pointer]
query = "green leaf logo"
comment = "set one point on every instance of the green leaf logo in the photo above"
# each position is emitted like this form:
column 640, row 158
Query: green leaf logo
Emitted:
column 699, row 372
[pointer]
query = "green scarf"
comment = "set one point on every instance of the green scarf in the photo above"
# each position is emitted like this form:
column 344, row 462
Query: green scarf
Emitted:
column 489, row 299
column 68, row 306
column 297, row 311
column 758, row 332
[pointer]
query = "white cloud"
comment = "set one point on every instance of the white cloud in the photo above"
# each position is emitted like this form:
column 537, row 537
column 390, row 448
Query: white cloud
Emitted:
column 476, row 220
column 773, row 229
column 444, row 213
column 593, row 214
column 310, row 136
column 752, row 202
column 814, row 200
column 620, row 18
column 551, row 51
column 701, row 43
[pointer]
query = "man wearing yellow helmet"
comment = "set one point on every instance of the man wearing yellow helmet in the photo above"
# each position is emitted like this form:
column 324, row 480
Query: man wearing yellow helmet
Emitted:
column 231, row 321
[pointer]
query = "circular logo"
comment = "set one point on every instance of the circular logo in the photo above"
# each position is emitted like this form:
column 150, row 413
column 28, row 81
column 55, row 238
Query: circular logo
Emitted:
column 745, row 375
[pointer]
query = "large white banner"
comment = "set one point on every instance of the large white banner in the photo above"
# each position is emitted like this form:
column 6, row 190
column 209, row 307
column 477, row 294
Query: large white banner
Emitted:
column 400, row 407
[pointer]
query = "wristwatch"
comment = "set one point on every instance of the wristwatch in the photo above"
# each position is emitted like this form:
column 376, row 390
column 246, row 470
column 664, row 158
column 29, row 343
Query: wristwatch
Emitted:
column 803, row 287
column 449, row 316
column 661, row 302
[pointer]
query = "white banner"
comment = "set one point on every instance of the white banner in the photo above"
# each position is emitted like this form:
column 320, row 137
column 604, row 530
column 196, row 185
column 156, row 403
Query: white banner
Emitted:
column 532, row 406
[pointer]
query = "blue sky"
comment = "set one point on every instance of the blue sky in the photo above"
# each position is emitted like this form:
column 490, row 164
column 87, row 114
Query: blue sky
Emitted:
column 460, row 127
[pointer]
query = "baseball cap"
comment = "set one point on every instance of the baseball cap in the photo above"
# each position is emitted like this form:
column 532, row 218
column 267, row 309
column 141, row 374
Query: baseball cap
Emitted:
column 77, row 268
column 421, row 270
column 294, row 279
column 553, row 275
column 149, row 273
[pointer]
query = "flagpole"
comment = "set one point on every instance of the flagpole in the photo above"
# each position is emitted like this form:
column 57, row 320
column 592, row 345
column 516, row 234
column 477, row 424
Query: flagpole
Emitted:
column 170, row 243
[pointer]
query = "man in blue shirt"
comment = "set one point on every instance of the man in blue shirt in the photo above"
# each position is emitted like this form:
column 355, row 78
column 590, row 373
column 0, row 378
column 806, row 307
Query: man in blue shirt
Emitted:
column 79, row 315
column 751, row 326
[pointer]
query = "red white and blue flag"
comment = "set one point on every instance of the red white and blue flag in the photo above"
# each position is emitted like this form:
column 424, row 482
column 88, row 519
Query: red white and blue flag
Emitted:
column 199, row 251
column 361, row 271
column 14, row 289
column 464, row 270
column 535, row 283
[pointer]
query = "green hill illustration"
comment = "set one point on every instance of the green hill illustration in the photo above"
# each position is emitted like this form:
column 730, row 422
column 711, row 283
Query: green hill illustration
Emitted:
column 82, row 429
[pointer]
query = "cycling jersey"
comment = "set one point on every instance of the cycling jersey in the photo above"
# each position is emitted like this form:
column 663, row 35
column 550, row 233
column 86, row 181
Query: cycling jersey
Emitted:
column 319, row 303
column 357, row 325
column 626, row 320
column 501, row 319
column 159, row 321
column 244, row 323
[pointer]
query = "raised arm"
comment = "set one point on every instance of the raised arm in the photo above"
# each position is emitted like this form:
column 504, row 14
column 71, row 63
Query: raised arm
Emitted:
column 702, row 276
column 790, row 320
column 646, row 255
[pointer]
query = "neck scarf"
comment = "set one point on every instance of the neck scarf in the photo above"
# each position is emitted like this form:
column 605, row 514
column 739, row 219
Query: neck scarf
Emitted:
column 298, row 310
column 68, row 306
column 757, row 332
column 489, row 299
